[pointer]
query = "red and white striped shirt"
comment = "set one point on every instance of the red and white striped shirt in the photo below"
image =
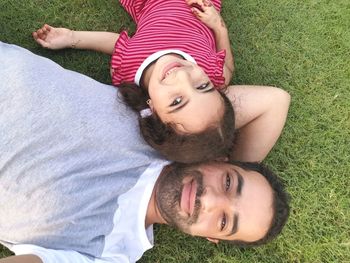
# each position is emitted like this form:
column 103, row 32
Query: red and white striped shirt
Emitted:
column 164, row 25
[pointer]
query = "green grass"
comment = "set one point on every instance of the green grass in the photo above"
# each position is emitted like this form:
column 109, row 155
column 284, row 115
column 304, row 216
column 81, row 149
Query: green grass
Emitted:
column 301, row 46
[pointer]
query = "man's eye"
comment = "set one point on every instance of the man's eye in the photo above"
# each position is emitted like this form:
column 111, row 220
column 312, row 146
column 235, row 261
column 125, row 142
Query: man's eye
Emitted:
column 223, row 222
column 228, row 182
column 203, row 86
column 176, row 101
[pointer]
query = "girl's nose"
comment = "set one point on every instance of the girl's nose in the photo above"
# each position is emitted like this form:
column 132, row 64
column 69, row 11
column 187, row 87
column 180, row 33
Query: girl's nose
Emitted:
column 183, row 74
column 185, row 82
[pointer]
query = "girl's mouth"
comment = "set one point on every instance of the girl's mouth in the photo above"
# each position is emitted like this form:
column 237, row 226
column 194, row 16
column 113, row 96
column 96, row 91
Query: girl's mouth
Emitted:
column 170, row 68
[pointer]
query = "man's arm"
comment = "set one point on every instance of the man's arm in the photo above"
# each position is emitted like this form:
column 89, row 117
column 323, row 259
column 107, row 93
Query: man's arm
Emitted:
column 260, row 115
column 21, row 259
column 59, row 38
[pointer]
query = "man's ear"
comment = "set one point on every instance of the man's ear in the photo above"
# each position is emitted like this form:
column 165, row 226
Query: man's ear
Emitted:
column 214, row 240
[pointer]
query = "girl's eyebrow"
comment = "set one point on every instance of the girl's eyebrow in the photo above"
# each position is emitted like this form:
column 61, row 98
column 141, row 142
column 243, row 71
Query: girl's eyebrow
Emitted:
column 179, row 108
column 209, row 90
column 212, row 89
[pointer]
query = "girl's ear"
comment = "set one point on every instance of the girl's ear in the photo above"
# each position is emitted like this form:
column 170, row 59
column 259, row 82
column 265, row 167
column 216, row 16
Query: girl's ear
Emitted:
column 214, row 240
column 150, row 104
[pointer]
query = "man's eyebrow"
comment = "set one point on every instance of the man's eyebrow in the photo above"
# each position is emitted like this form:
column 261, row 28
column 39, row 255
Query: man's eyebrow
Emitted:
column 179, row 108
column 240, row 183
column 234, row 225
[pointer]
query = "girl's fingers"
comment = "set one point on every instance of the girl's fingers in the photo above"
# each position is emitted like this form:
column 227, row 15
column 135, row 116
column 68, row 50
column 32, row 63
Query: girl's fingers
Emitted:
column 207, row 3
column 38, row 33
column 195, row 10
column 190, row 2
column 41, row 33
column 200, row 3
column 48, row 27
column 42, row 42
column 196, row 3
column 35, row 35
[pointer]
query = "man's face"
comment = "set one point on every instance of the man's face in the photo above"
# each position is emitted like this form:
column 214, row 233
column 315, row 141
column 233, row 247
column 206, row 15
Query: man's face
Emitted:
column 221, row 201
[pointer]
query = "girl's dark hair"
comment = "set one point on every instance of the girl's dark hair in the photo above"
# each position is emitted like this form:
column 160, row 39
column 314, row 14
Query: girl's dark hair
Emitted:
column 216, row 141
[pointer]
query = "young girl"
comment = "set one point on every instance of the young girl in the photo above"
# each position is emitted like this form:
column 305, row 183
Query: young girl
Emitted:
column 179, row 59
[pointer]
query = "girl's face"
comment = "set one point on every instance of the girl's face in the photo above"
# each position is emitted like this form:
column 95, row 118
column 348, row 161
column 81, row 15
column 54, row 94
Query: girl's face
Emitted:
column 181, row 93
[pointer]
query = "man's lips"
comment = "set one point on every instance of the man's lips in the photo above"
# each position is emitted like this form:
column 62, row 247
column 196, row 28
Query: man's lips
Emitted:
column 188, row 197
column 169, row 68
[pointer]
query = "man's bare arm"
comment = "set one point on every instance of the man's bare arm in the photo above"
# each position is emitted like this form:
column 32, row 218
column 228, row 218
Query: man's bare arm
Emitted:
column 21, row 259
column 260, row 115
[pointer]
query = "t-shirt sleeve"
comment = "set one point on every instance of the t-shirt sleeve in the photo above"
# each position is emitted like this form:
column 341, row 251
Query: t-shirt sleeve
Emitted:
column 117, row 59
column 64, row 256
column 217, row 76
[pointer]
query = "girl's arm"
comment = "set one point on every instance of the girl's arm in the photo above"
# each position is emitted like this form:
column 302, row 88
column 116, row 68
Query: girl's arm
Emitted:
column 260, row 115
column 59, row 38
column 205, row 11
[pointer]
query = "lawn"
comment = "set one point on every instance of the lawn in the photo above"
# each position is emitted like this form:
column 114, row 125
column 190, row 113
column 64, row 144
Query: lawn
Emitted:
column 300, row 46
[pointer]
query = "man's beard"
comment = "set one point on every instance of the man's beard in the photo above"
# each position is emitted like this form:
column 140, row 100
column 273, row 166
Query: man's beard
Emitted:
column 168, row 198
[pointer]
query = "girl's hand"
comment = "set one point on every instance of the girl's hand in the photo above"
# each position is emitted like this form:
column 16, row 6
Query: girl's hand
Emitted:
column 205, row 11
column 54, row 38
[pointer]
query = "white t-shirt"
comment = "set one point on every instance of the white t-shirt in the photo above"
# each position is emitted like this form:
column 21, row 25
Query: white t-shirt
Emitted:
column 128, row 241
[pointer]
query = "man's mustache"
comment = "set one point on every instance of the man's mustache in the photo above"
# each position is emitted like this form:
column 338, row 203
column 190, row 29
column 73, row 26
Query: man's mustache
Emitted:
column 197, row 203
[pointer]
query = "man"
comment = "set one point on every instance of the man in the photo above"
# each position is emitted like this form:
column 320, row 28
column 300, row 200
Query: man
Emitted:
column 78, row 184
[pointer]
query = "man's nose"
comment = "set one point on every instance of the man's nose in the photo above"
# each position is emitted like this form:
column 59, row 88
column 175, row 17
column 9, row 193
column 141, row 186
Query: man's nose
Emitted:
column 212, row 199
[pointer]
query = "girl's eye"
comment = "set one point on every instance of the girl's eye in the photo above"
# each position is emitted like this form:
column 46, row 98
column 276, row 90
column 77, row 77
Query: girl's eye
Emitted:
column 228, row 182
column 176, row 101
column 203, row 86
column 223, row 222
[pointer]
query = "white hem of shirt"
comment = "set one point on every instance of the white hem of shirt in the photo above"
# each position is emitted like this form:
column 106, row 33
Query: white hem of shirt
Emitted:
column 157, row 55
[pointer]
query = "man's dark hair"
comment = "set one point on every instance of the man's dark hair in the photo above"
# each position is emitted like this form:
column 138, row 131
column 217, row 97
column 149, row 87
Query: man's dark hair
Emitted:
column 280, row 203
column 216, row 141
